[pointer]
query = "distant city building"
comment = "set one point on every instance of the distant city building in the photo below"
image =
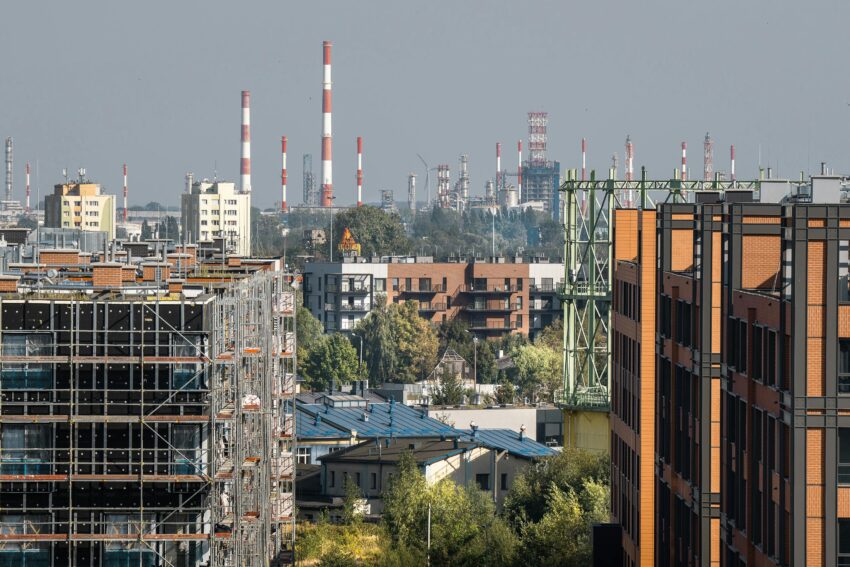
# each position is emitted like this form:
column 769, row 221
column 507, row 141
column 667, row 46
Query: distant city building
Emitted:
column 216, row 210
column 80, row 205
column 494, row 298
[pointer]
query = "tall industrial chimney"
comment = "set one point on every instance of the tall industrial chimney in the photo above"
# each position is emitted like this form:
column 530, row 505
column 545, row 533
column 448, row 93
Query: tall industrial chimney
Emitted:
column 411, row 191
column 125, row 189
column 327, row 137
column 708, row 158
column 630, row 157
column 584, row 159
column 359, row 171
column 684, row 161
column 28, row 188
column 498, row 166
column 8, row 169
column 519, row 173
column 732, row 156
column 246, row 142
column 283, row 174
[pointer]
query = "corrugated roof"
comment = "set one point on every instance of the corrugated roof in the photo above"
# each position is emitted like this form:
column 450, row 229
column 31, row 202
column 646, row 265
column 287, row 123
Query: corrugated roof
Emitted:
column 424, row 452
column 382, row 420
column 508, row 440
column 307, row 427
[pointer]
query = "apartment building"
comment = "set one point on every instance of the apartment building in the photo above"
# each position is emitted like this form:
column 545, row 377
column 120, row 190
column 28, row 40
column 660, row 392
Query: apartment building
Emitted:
column 214, row 210
column 80, row 205
column 494, row 298
column 750, row 389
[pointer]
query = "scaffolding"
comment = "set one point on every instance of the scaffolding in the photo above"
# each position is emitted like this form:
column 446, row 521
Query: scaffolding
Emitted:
column 586, row 293
column 140, row 428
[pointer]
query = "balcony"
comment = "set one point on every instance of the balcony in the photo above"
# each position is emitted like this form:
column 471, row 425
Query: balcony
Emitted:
column 354, row 307
column 493, row 326
column 489, row 289
column 492, row 307
column 428, row 290
column 355, row 290
column 544, row 306
column 431, row 307
column 543, row 288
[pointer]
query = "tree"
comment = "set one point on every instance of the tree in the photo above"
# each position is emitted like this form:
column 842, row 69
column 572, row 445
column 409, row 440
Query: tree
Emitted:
column 331, row 360
column 147, row 233
column 26, row 221
column 449, row 390
column 552, row 337
column 505, row 393
column 398, row 344
column 539, row 370
column 455, row 334
column 464, row 528
column 379, row 233
column 351, row 511
column 554, row 505
column 308, row 330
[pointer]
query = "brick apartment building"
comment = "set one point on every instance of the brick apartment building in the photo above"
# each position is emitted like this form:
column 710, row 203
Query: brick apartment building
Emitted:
column 745, row 429
column 494, row 298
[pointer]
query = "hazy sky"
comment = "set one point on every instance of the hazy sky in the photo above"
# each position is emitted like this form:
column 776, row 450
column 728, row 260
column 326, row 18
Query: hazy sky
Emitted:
column 156, row 84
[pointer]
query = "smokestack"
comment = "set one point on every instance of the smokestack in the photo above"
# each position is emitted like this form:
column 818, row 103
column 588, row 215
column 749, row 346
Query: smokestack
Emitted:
column 8, row 169
column 246, row 142
column 684, row 161
column 732, row 157
column 498, row 166
column 629, row 158
column 411, row 191
column 359, row 171
column 327, row 137
column 584, row 159
column 283, row 173
column 28, row 187
column 708, row 158
column 519, row 173
column 125, row 189
column 190, row 180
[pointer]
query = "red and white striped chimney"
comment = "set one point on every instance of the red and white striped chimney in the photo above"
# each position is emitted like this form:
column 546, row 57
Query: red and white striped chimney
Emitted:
column 28, row 187
column 498, row 165
column 732, row 157
column 246, row 142
column 584, row 159
column 125, row 192
column 283, row 174
column 630, row 158
column 327, row 136
column 684, row 161
column 359, row 171
column 519, row 172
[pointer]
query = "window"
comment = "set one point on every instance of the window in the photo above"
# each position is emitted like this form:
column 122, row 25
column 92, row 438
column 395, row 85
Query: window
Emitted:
column 843, row 543
column 302, row 455
column 395, row 284
column 424, row 284
column 26, row 375
column 503, row 484
column 373, row 482
column 357, row 479
column 408, row 284
column 844, row 366
column 381, row 284
column 519, row 284
column 333, row 478
column 26, row 448
column 844, row 455
column 758, row 343
column 483, row 481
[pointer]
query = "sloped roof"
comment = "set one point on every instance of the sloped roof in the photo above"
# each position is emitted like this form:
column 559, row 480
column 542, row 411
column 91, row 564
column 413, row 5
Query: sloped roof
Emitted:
column 382, row 420
column 508, row 440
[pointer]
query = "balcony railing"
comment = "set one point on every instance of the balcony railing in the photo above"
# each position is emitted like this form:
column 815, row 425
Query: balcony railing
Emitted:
column 497, row 288
column 431, row 307
column 543, row 288
column 493, row 325
column 491, row 306
column 361, row 307
column 438, row 288
column 358, row 289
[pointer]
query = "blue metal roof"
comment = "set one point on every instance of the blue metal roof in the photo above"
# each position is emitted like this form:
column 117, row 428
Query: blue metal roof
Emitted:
column 381, row 420
column 509, row 440
column 308, row 427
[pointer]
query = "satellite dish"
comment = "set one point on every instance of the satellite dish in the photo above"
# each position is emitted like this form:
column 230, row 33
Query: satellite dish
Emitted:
column 52, row 273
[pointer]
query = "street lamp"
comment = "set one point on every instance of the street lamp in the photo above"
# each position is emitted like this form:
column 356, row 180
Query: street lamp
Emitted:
column 475, row 362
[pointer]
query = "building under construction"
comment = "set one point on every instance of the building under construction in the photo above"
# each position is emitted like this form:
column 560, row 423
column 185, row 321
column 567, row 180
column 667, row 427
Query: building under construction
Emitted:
column 539, row 178
column 142, row 423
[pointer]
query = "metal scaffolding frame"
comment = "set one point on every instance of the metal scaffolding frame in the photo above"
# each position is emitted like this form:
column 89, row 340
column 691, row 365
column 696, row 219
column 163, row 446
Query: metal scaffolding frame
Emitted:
column 139, row 427
column 586, row 292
